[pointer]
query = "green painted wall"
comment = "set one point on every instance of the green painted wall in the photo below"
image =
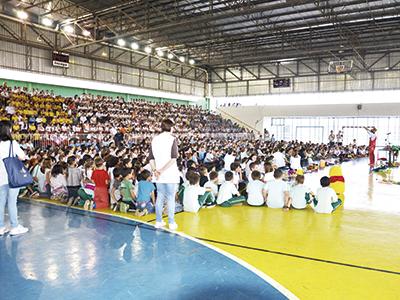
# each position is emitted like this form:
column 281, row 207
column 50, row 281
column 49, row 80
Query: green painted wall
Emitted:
column 72, row 91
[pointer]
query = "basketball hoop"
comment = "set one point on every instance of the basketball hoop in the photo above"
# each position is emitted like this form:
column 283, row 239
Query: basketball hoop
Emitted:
column 340, row 68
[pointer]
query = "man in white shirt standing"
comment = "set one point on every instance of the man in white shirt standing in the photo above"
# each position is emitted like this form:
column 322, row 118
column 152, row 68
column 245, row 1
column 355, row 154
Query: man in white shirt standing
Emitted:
column 164, row 166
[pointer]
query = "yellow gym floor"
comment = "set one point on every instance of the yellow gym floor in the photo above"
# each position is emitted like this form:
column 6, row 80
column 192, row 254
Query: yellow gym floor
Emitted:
column 351, row 254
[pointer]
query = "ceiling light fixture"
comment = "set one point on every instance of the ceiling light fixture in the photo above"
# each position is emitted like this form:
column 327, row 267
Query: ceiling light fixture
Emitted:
column 47, row 22
column 22, row 15
column 121, row 42
column 170, row 56
column 135, row 46
column 68, row 29
column 147, row 49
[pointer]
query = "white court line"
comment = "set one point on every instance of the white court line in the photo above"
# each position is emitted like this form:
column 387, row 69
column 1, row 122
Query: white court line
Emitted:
column 241, row 262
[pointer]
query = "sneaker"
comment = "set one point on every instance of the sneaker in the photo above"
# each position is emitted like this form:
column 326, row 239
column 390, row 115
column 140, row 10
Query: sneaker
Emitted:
column 86, row 205
column 91, row 205
column 160, row 224
column 23, row 193
column 3, row 230
column 210, row 205
column 35, row 195
column 70, row 201
column 173, row 226
column 18, row 230
column 137, row 213
column 123, row 207
column 75, row 202
column 142, row 213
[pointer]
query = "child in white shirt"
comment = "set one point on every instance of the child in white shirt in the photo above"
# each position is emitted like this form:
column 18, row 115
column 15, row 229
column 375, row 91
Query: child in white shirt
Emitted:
column 212, row 184
column 295, row 161
column 277, row 192
column 58, row 184
column 300, row 194
column 195, row 196
column 254, row 190
column 326, row 199
column 269, row 172
column 228, row 194
column 253, row 166
column 237, row 173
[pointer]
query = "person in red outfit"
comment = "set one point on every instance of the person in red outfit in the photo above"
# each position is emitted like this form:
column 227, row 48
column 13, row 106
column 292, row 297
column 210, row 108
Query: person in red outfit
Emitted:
column 372, row 145
column 101, row 179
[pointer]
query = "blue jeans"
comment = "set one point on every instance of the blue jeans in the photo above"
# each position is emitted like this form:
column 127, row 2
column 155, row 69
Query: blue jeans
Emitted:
column 146, row 205
column 9, row 196
column 166, row 193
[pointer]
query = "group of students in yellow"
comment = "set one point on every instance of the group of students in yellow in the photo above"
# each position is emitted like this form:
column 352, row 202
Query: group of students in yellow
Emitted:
column 27, row 111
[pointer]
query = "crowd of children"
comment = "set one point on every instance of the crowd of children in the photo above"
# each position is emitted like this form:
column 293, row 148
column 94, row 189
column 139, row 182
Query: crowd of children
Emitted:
column 107, row 168
column 44, row 112
column 119, row 177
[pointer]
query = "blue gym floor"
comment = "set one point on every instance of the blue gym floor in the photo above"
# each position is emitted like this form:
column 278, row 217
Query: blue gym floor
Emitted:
column 74, row 254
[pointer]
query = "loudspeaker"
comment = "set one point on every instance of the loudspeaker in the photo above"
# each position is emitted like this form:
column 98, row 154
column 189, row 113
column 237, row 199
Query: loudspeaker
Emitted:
column 359, row 107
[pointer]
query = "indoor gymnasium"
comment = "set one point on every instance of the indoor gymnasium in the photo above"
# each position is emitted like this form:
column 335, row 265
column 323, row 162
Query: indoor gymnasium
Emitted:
column 187, row 149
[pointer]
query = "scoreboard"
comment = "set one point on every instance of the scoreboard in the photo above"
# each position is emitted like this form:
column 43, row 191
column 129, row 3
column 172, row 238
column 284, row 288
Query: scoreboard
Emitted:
column 60, row 59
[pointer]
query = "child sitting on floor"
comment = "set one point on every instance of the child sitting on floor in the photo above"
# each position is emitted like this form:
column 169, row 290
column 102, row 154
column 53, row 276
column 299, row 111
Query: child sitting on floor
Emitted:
column 196, row 196
column 237, row 173
column 254, row 190
column 253, row 167
column 86, row 194
column 204, row 176
column 73, row 180
column 115, row 194
column 277, row 192
column 269, row 172
column 228, row 194
column 127, row 190
column 101, row 179
column 326, row 199
column 58, row 184
column 300, row 194
column 212, row 184
column 145, row 197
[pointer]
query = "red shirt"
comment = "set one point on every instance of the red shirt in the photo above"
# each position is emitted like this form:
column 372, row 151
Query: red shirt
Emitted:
column 100, row 178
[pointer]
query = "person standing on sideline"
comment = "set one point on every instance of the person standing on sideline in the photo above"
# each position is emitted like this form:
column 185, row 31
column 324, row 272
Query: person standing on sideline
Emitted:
column 339, row 138
column 9, row 195
column 266, row 135
column 163, row 155
column 371, row 146
column 331, row 138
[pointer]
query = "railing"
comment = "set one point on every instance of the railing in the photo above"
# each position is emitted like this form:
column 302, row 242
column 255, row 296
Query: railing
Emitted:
column 45, row 140
column 223, row 112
